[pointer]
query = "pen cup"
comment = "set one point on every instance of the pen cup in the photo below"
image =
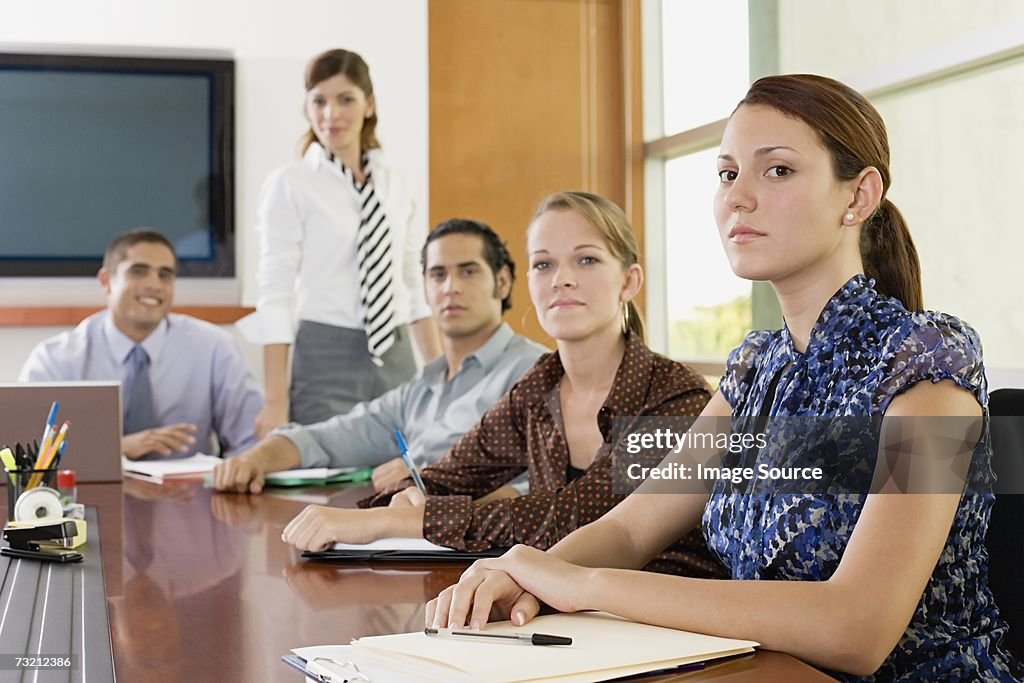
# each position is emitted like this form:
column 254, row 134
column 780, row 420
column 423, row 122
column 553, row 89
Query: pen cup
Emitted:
column 18, row 482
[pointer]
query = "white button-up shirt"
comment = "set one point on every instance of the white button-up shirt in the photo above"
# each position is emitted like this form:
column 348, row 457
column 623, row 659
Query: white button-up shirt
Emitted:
column 308, row 219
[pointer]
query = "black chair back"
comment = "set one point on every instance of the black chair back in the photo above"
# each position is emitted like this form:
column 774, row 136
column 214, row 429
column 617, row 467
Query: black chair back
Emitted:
column 1005, row 539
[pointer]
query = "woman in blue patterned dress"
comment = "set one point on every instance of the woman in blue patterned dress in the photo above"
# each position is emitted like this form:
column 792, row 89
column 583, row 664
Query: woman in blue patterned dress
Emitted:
column 867, row 586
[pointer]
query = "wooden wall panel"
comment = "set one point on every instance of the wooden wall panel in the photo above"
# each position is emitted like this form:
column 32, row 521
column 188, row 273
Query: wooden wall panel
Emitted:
column 527, row 97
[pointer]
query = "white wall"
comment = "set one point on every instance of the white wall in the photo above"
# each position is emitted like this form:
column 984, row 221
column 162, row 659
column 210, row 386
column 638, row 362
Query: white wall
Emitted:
column 271, row 42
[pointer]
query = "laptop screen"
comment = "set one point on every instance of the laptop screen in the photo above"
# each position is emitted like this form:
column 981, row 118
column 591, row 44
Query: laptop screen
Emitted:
column 93, row 438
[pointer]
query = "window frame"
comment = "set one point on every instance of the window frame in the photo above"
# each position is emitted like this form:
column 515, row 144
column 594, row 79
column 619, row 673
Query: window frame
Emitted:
column 912, row 73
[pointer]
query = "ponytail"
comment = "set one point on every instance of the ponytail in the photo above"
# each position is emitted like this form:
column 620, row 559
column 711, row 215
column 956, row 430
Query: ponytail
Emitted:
column 890, row 258
column 308, row 138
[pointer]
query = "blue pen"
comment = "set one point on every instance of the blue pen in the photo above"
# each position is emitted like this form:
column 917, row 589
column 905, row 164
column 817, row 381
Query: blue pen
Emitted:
column 404, row 449
column 50, row 421
column 60, row 452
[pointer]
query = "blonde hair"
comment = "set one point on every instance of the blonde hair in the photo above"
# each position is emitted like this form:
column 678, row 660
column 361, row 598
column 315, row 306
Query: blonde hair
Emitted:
column 613, row 225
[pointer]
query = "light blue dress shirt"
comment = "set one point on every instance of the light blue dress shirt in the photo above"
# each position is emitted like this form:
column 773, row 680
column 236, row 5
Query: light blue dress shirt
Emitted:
column 432, row 412
column 197, row 372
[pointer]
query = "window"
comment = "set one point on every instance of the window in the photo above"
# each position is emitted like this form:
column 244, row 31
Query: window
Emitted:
column 947, row 76
column 704, row 68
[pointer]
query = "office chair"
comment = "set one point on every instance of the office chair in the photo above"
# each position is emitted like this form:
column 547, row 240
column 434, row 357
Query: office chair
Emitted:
column 1005, row 539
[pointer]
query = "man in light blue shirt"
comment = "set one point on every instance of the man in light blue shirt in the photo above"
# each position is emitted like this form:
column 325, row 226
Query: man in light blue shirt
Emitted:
column 190, row 384
column 468, row 280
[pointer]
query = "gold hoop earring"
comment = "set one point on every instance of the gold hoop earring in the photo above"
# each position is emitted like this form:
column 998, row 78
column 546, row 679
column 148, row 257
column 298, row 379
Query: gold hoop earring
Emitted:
column 625, row 318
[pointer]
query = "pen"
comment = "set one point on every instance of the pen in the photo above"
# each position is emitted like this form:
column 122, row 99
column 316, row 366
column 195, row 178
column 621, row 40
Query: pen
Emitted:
column 404, row 449
column 51, row 420
column 47, row 456
column 528, row 638
column 60, row 452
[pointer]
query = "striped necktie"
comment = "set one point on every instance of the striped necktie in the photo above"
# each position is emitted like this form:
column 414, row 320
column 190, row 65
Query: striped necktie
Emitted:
column 374, row 259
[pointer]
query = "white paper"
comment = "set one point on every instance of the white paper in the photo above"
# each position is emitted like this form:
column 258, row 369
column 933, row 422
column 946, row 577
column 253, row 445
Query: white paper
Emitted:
column 312, row 473
column 393, row 544
column 161, row 469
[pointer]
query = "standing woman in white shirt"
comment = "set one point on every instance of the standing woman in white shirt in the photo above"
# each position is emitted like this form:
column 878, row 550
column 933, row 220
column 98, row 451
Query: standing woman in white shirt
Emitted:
column 339, row 276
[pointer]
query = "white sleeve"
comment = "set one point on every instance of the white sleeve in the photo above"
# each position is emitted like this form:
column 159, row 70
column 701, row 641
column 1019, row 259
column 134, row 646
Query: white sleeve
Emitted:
column 281, row 233
column 412, row 275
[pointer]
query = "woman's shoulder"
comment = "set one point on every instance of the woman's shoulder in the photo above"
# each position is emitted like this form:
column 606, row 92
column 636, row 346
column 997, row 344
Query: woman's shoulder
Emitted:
column 931, row 345
column 903, row 332
column 293, row 173
column 386, row 174
column 753, row 347
column 542, row 376
column 753, row 344
column 743, row 362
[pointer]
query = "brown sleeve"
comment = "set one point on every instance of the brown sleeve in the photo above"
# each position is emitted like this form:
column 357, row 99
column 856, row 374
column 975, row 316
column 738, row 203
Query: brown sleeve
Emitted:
column 490, row 454
column 541, row 518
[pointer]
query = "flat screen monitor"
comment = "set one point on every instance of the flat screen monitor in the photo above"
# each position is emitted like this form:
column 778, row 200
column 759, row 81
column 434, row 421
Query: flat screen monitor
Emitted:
column 93, row 146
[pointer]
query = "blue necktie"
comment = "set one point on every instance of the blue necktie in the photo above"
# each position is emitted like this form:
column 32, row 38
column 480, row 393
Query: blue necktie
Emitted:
column 138, row 394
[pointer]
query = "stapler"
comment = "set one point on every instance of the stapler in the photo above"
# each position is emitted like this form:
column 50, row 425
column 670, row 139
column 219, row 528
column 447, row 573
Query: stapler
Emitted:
column 50, row 539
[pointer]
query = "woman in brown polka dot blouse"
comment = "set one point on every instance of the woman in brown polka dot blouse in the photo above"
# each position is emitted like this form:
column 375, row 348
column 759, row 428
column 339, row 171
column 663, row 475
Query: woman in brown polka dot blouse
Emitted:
column 556, row 423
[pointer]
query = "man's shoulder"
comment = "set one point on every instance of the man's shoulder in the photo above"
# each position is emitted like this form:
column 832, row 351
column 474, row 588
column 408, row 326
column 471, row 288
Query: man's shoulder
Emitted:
column 62, row 357
column 75, row 340
column 525, row 347
column 197, row 329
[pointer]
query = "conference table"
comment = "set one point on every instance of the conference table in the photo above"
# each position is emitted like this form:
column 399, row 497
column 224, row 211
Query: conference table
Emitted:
column 200, row 587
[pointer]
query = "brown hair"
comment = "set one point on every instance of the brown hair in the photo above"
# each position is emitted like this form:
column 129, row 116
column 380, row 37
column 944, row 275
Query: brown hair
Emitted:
column 853, row 132
column 119, row 246
column 350, row 65
column 612, row 223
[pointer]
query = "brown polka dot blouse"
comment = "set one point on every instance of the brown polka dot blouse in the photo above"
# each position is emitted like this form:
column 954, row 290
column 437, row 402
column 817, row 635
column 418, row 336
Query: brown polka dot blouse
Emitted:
column 523, row 431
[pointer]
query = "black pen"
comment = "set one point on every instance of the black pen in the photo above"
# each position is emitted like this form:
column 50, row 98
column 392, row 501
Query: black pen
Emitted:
column 528, row 638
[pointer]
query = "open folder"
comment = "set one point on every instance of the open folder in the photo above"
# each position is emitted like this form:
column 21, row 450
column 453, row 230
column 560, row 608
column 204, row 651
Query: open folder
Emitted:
column 398, row 550
column 604, row 647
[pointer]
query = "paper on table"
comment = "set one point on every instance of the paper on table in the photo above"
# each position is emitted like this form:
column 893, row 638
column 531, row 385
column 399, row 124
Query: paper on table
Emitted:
column 169, row 468
column 604, row 647
column 310, row 473
column 393, row 544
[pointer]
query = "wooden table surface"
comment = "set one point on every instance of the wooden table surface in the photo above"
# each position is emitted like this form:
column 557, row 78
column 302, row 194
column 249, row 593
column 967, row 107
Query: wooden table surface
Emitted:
column 200, row 587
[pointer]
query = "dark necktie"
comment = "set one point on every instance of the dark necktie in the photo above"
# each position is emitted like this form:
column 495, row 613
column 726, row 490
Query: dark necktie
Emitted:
column 138, row 394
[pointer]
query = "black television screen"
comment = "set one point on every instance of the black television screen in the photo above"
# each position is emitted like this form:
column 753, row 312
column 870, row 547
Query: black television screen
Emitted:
column 92, row 146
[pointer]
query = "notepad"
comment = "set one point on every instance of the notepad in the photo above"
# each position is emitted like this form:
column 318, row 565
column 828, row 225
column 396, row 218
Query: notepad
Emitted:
column 157, row 471
column 398, row 550
column 604, row 647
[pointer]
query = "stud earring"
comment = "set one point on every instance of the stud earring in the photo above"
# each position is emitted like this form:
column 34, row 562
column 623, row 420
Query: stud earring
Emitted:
column 848, row 217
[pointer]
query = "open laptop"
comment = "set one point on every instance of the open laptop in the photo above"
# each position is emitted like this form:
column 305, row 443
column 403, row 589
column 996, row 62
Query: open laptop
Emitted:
column 93, row 448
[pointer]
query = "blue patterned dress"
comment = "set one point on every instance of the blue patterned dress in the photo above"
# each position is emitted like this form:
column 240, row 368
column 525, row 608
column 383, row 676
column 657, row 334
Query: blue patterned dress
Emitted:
column 864, row 350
